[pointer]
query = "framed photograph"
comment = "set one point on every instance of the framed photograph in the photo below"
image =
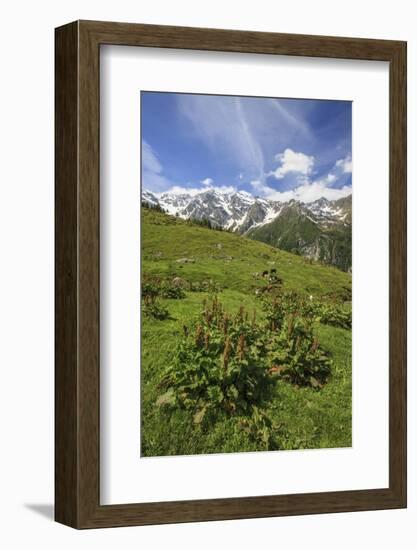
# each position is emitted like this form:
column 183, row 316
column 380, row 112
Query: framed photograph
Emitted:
column 230, row 274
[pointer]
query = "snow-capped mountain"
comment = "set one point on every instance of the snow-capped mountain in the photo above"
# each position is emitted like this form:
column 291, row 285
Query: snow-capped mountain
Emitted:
column 224, row 210
column 320, row 230
column 242, row 212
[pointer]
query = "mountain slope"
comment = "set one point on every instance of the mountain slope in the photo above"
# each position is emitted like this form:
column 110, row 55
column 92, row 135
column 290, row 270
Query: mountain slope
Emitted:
column 227, row 258
column 311, row 233
column 180, row 250
column 320, row 230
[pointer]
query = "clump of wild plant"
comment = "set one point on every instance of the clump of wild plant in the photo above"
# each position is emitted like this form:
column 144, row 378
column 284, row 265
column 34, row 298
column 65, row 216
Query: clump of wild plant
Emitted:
column 220, row 364
column 296, row 355
column 152, row 308
column 335, row 315
column 284, row 303
column 229, row 363
column 154, row 286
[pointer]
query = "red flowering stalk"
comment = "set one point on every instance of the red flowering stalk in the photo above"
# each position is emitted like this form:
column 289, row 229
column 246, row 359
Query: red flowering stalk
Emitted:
column 206, row 340
column 225, row 323
column 315, row 345
column 241, row 346
column 226, row 352
column 199, row 336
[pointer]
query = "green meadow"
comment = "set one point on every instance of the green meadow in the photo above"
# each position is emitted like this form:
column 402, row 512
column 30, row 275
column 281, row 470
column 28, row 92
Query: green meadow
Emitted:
column 212, row 303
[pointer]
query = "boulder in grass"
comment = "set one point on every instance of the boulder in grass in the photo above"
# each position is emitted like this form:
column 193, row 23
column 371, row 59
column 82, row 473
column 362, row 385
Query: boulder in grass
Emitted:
column 186, row 261
column 178, row 282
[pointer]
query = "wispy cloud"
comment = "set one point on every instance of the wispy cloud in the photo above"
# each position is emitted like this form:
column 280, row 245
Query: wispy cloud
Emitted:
column 249, row 142
column 244, row 129
column 179, row 190
column 222, row 124
column 152, row 170
column 307, row 189
column 295, row 122
column 150, row 162
column 282, row 148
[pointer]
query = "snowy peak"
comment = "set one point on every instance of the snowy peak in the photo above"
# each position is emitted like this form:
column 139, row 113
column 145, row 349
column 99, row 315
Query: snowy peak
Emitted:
column 320, row 230
column 241, row 212
column 149, row 198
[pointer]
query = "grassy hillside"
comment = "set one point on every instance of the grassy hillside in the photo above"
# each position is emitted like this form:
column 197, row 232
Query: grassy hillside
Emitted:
column 206, row 262
column 298, row 233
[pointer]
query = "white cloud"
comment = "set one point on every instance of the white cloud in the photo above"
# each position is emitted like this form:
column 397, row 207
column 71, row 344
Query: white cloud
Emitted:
column 345, row 164
column 152, row 177
column 192, row 191
column 207, row 181
column 150, row 162
column 341, row 166
column 293, row 162
column 307, row 192
column 307, row 189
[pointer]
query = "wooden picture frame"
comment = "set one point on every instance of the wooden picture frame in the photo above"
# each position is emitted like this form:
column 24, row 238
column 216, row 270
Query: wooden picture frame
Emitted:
column 77, row 382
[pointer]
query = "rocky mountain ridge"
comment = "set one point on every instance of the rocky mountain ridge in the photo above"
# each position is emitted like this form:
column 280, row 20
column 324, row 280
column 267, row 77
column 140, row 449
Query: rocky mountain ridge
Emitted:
column 320, row 230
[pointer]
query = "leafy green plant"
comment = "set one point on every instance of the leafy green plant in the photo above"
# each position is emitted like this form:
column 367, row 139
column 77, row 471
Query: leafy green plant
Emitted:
column 261, row 428
column 209, row 286
column 155, row 310
column 220, row 364
column 334, row 315
column 283, row 303
column 171, row 292
column 150, row 289
column 297, row 356
column 229, row 364
column 153, row 286
column 278, row 306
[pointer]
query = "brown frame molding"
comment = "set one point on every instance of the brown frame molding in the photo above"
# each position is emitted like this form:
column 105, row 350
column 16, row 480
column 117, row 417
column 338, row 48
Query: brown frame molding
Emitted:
column 77, row 359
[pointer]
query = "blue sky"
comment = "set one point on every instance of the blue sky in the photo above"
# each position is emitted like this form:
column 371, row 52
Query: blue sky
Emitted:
column 269, row 147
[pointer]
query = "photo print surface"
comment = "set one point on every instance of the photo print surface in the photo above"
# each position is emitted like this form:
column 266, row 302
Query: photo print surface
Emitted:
column 246, row 274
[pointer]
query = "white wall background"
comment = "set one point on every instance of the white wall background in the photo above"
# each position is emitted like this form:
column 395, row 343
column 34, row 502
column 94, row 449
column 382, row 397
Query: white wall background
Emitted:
column 26, row 272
